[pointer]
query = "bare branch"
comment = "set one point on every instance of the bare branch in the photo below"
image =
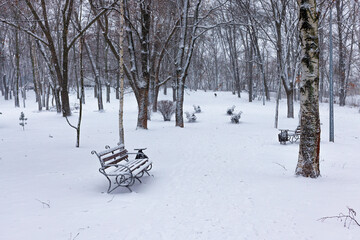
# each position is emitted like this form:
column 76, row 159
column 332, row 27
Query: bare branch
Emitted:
column 348, row 219
column 24, row 29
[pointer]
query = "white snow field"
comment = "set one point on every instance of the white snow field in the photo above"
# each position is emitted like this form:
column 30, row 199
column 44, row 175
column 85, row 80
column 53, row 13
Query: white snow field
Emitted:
column 210, row 180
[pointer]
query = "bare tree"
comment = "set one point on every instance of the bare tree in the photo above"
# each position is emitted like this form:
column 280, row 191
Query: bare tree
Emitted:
column 49, row 17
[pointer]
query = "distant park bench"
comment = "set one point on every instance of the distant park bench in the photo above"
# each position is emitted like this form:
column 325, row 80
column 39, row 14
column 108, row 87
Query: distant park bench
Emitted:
column 119, row 169
column 289, row 135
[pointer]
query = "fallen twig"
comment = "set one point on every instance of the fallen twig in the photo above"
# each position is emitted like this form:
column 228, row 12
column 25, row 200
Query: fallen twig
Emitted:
column 348, row 219
column 74, row 237
column 44, row 203
column 281, row 165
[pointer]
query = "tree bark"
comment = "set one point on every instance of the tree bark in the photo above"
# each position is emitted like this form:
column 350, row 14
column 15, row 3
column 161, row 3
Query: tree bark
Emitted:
column 308, row 162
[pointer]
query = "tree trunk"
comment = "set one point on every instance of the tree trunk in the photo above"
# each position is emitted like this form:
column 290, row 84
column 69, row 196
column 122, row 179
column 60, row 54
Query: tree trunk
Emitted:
column 78, row 93
column 165, row 89
column 96, row 75
column 339, row 10
column 36, row 78
column 155, row 98
column 120, row 76
column 250, row 73
column 290, row 102
column 322, row 64
column 6, row 88
column 142, row 100
column 308, row 162
column 56, row 91
column 17, row 65
column 117, row 94
column 179, row 105
column 47, row 97
column 108, row 92
column 81, row 66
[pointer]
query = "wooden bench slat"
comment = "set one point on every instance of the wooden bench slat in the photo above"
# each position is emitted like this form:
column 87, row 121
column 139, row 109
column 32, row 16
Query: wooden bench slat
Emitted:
column 123, row 154
column 132, row 165
column 121, row 146
column 135, row 170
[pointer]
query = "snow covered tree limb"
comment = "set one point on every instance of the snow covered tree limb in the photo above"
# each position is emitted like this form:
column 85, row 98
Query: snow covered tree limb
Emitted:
column 28, row 31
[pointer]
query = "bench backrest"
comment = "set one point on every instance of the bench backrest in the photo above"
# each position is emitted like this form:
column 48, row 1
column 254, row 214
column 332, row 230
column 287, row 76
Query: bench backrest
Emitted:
column 112, row 155
column 298, row 130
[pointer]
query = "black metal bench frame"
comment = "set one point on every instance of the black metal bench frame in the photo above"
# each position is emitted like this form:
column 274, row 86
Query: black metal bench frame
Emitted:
column 119, row 170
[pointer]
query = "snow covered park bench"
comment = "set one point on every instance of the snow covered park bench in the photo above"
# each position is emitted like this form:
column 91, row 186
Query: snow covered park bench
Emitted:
column 119, row 169
column 190, row 117
column 289, row 135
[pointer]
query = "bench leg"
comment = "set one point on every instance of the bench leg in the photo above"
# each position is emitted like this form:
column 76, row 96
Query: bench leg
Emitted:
column 137, row 178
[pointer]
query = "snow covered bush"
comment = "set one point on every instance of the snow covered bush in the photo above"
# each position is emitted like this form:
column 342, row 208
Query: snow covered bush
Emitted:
column 190, row 117
column 23, row 120
column 236, row 117
column 230, row 110
column 197, row 109
column 166, row 108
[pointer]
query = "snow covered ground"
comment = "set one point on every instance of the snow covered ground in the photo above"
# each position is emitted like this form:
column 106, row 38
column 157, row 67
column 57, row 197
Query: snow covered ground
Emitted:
column 210, row 180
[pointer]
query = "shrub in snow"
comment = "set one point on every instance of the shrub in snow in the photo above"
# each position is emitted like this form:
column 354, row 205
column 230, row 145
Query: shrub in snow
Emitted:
column 166, row 108
column 230, row 110
column 197, row 109
column 23, row 120
column 190, row 117
column 236, row 117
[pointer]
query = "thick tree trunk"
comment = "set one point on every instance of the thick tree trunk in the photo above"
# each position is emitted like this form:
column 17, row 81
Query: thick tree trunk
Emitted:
column 322, row 64
column 142, row 100
column 308, row 163
column 179, row 118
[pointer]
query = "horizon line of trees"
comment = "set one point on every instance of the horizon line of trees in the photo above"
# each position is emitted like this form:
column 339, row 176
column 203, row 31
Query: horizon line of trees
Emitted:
column 221, row 45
